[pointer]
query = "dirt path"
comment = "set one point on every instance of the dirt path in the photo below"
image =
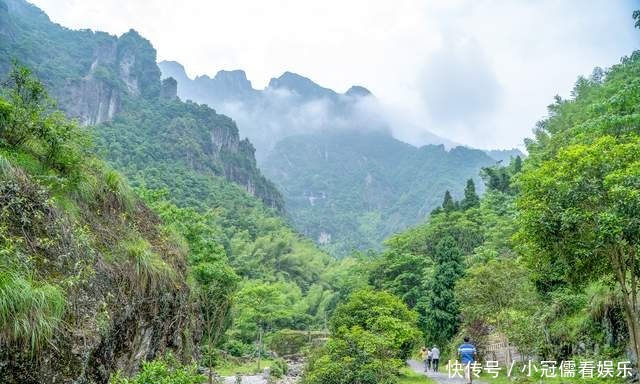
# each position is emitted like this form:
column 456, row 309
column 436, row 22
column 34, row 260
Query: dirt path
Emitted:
column 439, row 377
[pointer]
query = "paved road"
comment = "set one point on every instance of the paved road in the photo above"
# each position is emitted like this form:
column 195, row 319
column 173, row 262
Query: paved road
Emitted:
column 439, row 377
column 258, row 379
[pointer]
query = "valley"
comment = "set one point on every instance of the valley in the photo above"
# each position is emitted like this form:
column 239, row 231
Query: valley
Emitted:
column 156, row 228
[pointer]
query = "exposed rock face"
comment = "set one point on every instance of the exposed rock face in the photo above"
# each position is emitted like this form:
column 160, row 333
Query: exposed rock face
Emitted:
column 169, row 89
column 119, row 69
column 89, row 100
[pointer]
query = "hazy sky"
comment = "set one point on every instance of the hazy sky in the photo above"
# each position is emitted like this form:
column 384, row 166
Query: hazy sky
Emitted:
column 478, row 72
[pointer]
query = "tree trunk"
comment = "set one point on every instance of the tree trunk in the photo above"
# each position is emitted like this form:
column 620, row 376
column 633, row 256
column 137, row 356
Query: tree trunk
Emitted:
column 259, row 347
column 633, row 325
column 507, row 355
column 629, row 299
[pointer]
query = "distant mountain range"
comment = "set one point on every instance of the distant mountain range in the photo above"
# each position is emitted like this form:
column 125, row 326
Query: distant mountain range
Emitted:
column 347, row 182
column 96, row 77
column 351, row 190
column 290, row 105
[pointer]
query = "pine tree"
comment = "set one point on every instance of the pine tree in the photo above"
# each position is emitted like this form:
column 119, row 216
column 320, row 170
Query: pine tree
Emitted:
column 471, row 198
column 517, row 165
column 448, row 204
column 441, row 312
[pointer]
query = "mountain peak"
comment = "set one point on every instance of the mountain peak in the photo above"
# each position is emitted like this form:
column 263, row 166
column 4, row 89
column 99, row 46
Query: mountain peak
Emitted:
column 173, row 69
column 230, row 84
column 358, row 91
column 236, row 75
column 304, row 86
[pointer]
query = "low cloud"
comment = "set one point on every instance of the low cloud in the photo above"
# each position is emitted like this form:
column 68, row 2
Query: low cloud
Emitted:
column 459, row 86
column 279, row 113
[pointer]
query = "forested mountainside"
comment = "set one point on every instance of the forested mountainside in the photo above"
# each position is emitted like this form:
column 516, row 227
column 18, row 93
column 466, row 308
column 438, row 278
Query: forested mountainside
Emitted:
column 95, row 282
column 95, row 76
column 351, row 190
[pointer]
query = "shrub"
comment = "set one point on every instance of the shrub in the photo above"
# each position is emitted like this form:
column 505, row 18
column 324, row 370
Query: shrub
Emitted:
column 279, row 368
column 161, row 372
column 28, row 122
column 373, row 333
column 288, row 342
column 237, row 348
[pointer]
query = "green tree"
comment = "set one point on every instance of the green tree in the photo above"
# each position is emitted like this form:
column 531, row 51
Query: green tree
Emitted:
column 517, row 165
column 260, row 307
column 28, row 121
column 373, row 333
column 448, row 204
column 500, row 295
column 471, row 198
column 215, row 286
column 440, row 306
column 497, row 178
column 580, row 208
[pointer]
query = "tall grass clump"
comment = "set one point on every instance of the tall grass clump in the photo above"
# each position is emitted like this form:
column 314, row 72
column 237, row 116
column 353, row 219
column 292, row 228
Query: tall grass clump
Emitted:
column 117, row 185
column 29, row 313
column 86, row 187
column 151, row 271
column 6, row 169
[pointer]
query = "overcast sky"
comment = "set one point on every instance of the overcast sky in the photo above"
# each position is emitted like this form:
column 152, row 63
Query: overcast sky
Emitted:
column 478, row 72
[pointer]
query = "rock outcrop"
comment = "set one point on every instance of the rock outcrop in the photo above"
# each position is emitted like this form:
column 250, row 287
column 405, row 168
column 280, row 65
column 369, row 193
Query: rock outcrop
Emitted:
column 169, row 89
column 121, row 67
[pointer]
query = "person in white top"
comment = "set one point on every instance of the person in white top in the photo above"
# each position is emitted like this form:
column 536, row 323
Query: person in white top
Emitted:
column 435, row 358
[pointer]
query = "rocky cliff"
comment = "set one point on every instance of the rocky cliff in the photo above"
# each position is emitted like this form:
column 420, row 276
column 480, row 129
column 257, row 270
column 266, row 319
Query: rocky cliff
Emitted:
column 121, row 67
column 95, row 76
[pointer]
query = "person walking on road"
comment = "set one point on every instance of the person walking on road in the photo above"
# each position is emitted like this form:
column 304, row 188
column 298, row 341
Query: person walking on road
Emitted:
column 435, row 358
column 467, row 352
column 424, row 355
column 430, row 360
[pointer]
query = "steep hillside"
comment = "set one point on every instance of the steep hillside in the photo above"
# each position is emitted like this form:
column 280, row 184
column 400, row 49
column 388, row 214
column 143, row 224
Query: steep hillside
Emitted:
column 95, row 77
column 351, row 190
column 90, row 281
